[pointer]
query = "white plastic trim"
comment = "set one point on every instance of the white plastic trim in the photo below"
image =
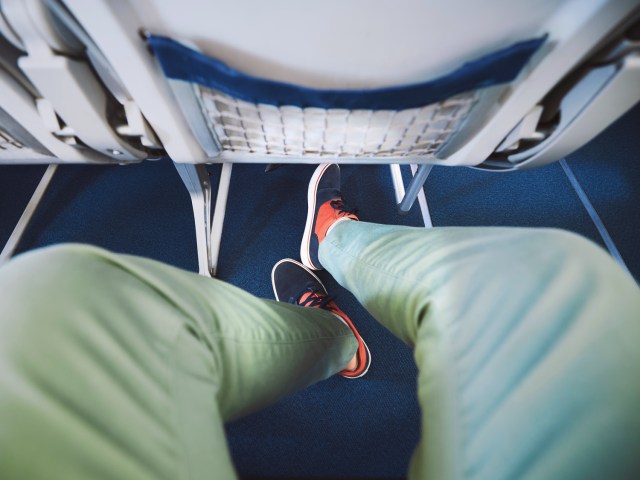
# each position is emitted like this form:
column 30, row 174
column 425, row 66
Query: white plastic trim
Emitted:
column 19, row 104
column 115, row 27
column 69, row 85
column 612, row 100
column 573, row 32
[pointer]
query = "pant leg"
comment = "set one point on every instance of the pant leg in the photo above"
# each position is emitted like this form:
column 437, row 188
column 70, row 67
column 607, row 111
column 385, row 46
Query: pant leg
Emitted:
column 527, row 343
column 119, row 367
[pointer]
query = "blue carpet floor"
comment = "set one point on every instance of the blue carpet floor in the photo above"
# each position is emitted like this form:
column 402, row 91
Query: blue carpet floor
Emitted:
column 337, row 428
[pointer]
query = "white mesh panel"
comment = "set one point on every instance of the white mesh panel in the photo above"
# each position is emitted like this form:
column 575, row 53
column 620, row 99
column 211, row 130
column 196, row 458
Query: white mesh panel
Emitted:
column 268, row 130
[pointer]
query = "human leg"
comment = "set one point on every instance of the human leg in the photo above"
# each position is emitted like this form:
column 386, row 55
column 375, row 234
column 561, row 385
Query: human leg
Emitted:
column 119, row 367
column 526, row 342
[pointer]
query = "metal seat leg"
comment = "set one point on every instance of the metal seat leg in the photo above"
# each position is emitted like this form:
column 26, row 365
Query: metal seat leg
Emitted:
column 22, row 224
column 208, row 232
column 196, row 179
column 218, row 215
column 405, row 200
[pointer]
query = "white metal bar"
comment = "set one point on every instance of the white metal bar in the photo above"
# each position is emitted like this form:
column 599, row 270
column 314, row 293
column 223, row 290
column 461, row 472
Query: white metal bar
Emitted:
column 422, row 201
column 30, row 209
column 595, row 218
column 20, row 106
column 246, row 157
column 218, row 215
column 398, row 183
column 196, row 179
column 415, row 186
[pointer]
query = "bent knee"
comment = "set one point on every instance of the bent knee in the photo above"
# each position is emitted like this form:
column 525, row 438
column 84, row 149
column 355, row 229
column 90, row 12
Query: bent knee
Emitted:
column 49, row 263
column 43, row 286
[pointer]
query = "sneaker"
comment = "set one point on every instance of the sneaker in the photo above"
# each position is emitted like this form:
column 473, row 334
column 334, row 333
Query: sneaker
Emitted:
column 294, row 283
column 325, row 208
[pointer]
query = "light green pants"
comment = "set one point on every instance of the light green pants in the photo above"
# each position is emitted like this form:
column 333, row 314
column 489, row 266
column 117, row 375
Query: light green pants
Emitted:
column 527, row 343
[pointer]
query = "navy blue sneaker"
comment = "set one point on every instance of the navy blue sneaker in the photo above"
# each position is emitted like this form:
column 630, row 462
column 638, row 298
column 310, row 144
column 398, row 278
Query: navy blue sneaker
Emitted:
column 325, row 208
column 296, row 284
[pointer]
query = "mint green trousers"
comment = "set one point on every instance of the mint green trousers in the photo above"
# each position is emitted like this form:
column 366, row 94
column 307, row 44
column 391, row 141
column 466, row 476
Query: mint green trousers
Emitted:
column 527, row 344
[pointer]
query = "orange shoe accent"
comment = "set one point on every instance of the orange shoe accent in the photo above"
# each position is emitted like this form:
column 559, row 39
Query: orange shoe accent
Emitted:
column 328, row 213
column 363, row 357
column 361, row 354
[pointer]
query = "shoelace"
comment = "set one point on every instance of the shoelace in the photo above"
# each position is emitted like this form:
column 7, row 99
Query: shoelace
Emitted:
column 342, row 209
column 316, row 298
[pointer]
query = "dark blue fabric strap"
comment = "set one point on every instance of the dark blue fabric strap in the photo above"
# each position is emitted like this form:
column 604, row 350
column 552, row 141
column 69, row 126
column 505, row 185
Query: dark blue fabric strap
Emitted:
column 181, row 63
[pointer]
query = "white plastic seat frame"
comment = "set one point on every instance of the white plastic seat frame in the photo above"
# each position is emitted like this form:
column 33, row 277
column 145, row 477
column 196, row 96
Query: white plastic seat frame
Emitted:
column 78, row 94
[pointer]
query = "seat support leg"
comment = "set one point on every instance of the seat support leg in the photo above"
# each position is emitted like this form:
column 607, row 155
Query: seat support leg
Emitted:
column 196, row 179
column 405, row 200
column 30, row 209
column 422, row 201
column 208, row 231
column 414, row 188
column 218, row 214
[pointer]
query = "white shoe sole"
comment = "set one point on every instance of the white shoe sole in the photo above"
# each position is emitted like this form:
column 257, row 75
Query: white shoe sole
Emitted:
column 311, row 207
